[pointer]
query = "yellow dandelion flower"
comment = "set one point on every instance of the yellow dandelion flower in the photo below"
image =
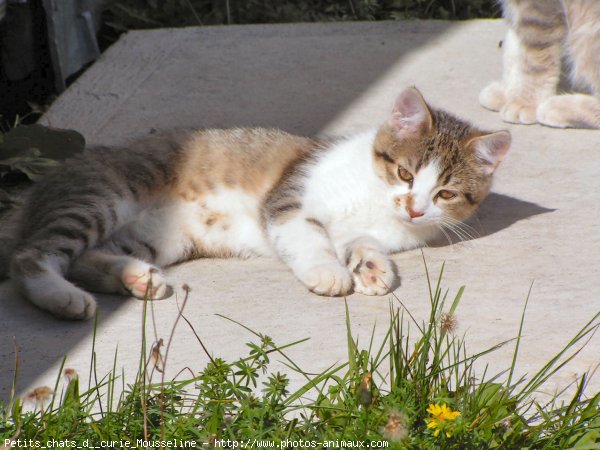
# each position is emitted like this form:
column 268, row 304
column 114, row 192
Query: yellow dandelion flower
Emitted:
column 441, row 419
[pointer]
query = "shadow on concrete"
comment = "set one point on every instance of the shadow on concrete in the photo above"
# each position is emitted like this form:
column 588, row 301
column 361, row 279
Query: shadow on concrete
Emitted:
column 297, row 78
column 496, row 213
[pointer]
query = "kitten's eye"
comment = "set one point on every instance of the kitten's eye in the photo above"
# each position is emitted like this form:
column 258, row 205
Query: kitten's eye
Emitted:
column 404, row 174
column 446, row 195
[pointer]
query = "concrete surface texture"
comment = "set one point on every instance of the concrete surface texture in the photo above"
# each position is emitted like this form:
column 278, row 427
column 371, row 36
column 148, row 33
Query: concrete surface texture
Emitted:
column 540, row 225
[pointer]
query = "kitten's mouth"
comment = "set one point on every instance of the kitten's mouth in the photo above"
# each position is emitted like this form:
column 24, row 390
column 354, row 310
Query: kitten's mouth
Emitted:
column 415, row 222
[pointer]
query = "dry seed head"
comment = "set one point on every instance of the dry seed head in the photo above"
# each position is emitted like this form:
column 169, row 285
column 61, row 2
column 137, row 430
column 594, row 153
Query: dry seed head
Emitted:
column 39, row 396
column 506, row 423
column 157, row 358
column 365, row 394
column 211, row 439
column 396, row 427
column 448, row 323
column 70, row 374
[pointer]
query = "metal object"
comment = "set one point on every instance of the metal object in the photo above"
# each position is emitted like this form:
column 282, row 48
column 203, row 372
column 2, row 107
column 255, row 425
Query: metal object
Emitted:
column 71, row 36
column 72, row 28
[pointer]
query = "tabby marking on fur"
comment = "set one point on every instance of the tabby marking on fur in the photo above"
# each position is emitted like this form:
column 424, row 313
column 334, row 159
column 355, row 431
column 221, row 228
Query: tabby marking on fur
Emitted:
column 541, row 34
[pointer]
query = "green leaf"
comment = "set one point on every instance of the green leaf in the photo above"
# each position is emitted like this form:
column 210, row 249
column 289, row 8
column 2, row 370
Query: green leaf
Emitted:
column 52, row 143
column 588, row 441
column 34, row 168
column 5, row 197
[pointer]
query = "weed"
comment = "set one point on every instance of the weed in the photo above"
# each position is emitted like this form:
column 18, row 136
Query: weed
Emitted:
column 417, row 390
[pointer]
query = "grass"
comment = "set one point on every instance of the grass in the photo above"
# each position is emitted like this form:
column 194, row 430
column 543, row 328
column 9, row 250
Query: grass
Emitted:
column 417, row 390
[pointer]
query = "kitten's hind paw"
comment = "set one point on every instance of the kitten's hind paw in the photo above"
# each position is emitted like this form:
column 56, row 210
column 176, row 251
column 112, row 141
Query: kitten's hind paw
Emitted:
column 374, row 273
column 492, row 96
column 69, row 302
column 144, row 281
column 80, row 306
column 328, row 279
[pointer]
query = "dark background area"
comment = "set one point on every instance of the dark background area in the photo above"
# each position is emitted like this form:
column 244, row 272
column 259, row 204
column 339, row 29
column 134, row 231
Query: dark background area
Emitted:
column 28, row 81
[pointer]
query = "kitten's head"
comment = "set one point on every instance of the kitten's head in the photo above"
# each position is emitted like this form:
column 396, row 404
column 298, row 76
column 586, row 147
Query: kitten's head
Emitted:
column 438, row 167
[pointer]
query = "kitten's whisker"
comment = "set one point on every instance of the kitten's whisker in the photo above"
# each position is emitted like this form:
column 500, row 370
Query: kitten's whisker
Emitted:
column 463, row 233
column 441, row 227
column 460, row 229
column 463, row 225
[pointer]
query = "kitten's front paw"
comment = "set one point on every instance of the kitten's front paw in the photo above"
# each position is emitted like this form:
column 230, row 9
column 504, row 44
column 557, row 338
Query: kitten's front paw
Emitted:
column 492, row 96
column 373, row 272
column 144, row 281
column 516, row 111
column 328, row 279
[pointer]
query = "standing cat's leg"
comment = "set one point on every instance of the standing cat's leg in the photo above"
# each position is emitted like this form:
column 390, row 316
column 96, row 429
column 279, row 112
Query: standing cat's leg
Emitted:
column 537, row 71
column 100, row 271
column 373, row 271
column 583, row 53
column 303, row 244
column 531, row 61
column 492, row 96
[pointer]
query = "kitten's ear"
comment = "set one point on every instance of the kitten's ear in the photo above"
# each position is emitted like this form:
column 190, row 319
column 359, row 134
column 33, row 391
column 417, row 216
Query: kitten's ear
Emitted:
column 490, row 149
column 410, row 116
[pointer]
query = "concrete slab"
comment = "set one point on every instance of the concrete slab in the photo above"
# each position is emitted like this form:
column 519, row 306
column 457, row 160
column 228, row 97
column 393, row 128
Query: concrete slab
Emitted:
column 540, row 225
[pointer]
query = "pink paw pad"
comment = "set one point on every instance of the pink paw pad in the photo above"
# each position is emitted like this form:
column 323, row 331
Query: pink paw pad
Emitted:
column 149, row 284
column 373, row 274
column 371, row 265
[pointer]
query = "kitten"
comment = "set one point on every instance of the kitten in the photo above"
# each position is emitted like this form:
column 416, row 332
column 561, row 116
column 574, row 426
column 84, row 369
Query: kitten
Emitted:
column 541, row 32
column 108, row 219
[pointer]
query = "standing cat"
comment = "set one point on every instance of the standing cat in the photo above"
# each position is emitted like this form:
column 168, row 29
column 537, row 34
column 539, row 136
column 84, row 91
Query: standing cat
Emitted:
column 331, row 211
column 541, row 34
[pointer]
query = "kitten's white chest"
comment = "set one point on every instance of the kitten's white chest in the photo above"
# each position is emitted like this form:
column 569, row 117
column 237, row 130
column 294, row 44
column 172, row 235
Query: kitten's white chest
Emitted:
column 345, row 194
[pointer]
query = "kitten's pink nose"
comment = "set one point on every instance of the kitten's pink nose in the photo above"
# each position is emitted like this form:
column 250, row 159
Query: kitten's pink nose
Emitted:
column 414, row 214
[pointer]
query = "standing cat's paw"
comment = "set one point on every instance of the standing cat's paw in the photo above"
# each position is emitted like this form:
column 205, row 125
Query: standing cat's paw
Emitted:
column 492, row 96
column 552, row 116
column 373, row 272
column 516, row 111
column 144, row 281
column 570, row 110
column 328, row 279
